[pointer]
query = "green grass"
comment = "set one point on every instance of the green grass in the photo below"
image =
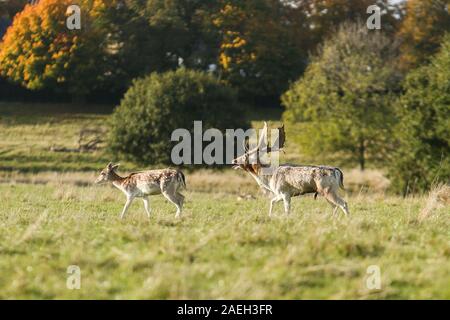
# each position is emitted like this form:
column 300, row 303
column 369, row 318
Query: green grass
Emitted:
column 27, row 132
column 221, row 248
column 51, row 217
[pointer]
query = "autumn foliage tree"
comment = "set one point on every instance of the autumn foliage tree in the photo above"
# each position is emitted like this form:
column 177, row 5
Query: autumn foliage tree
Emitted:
column 264, row 44
column 38, row 50
column 119, row 41
column 422, row 29
column 258, row 52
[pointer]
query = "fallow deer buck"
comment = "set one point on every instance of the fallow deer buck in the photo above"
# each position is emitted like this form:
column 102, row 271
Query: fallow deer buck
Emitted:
column 167, row 182
column 287, row 181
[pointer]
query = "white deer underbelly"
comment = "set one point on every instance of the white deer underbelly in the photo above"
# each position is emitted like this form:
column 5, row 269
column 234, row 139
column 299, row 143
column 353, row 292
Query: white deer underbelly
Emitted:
column 147, row 189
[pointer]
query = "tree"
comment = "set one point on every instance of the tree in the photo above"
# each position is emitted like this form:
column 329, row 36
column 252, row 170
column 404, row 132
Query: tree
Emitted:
column 342, row 106
column 422, row 29
column 39, row 50
column 156, row 105
column 258, row 51
column 128, row 44
column 316, row 20
column 265, row 44
column 182, row 31
column 120, row 40
column 422, row 155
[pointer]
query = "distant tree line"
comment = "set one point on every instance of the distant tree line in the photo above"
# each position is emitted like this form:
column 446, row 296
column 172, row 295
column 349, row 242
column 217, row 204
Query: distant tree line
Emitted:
column 257, row 46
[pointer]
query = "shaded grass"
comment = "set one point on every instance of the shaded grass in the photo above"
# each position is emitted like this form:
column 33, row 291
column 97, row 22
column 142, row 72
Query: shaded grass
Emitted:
column 220, row 249
column 27, row 132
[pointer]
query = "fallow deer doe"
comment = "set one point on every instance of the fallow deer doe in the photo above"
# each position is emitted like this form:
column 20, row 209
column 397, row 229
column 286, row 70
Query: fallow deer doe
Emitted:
column 287, row 181
column 167, row 182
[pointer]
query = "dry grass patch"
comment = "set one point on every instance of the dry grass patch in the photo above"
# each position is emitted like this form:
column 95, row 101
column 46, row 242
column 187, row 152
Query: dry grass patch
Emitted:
column 438, row 197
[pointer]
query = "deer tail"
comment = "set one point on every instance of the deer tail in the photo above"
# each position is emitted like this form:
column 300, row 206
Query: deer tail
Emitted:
column 181, row 179
column 340, row 177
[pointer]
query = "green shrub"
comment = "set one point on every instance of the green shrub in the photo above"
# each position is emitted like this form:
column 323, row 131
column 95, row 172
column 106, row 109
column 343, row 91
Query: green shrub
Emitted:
column 423, row 154
column 154, row 106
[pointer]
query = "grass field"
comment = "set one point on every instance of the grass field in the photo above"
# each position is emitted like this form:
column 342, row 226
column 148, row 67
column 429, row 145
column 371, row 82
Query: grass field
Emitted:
column 225, row 246
column 27, row 133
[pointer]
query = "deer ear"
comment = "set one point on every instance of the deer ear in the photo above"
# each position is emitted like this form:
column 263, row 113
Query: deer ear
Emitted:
column 109, row 166
column 114, row 167
column 281, row 136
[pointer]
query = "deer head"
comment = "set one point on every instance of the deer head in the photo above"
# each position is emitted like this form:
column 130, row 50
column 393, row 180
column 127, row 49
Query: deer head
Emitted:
column 251, row 157
column 107, row 174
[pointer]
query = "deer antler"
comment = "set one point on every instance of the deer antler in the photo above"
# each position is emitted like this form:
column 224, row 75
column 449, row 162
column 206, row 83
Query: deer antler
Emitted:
column 263, row 137
column 277, row 146
column 245, row 144
column 261, row 140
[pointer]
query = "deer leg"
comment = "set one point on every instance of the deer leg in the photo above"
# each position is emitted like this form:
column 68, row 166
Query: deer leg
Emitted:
column 287, row 203
column 335, row 210
column 146, row 206
column 342, row 204
column 345, row 207
column 125, row 208
column 175, row 200
column 181, row 199
column 272, row 202
column 337, row 201
column 333, row 206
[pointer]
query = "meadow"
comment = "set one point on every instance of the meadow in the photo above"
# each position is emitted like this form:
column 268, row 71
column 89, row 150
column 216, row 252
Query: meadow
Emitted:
column 224, row 247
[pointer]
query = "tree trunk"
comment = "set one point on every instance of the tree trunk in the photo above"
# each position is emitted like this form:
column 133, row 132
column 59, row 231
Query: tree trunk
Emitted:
column 362, row 155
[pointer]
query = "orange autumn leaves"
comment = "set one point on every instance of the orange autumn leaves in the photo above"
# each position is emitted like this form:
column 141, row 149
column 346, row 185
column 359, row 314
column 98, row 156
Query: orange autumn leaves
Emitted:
column 233, row 48
column 38, row 49
column 422, row 30
column 257, row 51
